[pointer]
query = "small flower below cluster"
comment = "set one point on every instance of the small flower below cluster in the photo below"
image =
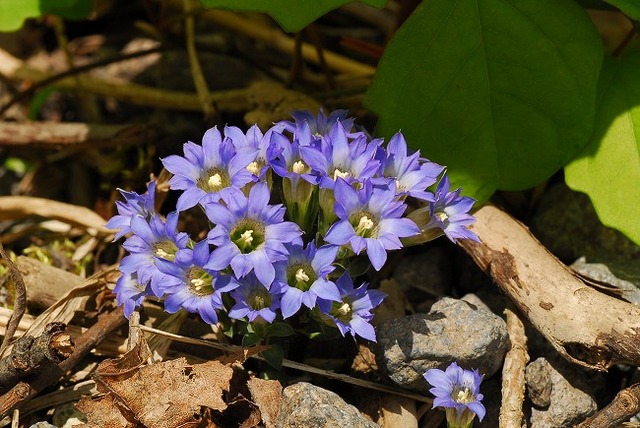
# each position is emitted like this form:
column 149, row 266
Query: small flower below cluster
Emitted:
column 458, row 391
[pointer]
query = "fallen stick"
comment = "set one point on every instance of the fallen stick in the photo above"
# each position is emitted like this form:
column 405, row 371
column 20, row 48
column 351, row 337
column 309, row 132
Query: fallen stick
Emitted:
column 29, row 353
column 586, row 326
column 23, row 391
column 625, row 405
column 513, row 383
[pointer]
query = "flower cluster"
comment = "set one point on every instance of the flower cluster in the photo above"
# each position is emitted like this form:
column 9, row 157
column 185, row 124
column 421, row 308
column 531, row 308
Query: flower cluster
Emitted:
column 290, row 209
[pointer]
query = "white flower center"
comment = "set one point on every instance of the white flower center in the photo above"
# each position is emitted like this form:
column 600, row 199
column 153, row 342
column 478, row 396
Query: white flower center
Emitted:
column 464, row 396
column 254, row 168
column 215, row 182
column 364, row 225
column 342, row 174
column 442, row 216
column 301, row 276
column 247, row 237
column 345, row 309
column 197, row 284
column 162, row 253
column 299, row 167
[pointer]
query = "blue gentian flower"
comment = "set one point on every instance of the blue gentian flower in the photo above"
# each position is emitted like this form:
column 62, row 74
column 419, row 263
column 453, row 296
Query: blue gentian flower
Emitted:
column 370, row 218
column 352, row 314
column 263, row 147
column 319, row 124
column 250, row 234
column 151, row 241
column 458, row 391
column 305, row 277
column 190, row 285
column 130, row 293
column 207, row 172
column 254, row 300
column 135, row 205
column 337, row 157
column 449, row 213
column 411, row 174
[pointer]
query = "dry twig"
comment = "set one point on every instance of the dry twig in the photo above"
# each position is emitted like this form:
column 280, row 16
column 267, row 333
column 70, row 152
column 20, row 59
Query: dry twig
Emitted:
column 51, row 373
column 513, row 382
column 625, row 405
column 19, row 303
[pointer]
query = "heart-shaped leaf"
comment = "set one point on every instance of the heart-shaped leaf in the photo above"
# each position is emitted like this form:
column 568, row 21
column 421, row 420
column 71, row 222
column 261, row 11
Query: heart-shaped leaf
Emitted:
column 292, row 15
column 500, row 91
column 608, row 169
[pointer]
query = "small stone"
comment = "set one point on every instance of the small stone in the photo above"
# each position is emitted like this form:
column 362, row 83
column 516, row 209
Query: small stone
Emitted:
column 306, row 405
column 560, row 401
column 454, row 330
column 42, row 424
column 600, row 272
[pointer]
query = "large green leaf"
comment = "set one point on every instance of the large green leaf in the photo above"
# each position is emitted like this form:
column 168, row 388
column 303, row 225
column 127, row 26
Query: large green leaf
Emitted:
column 501, row 91
column 14, row 12
column 608, row 169
column 631, row 8
column 292, row 15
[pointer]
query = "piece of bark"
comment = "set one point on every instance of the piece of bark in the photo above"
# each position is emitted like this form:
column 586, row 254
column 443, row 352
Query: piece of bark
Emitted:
column 45, row 284
column 513, row 383
column 625, row 405
column 28, row 354
column 51, row 373
column 586, row 326
column 52, row 136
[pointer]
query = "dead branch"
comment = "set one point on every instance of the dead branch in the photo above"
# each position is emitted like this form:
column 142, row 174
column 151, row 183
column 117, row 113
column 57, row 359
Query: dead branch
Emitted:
column 513, row 383
column 15, row 207
column 53, row 136
column 625, row 405
column 45, row 283
column 19, row 303
column 28, row 354
column 586, row 326
column 51, row 373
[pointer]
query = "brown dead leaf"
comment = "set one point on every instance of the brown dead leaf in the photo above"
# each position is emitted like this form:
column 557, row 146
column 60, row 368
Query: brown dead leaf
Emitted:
column 102, row 413
column 175, row 394
column 365, row 361
column 267, row 395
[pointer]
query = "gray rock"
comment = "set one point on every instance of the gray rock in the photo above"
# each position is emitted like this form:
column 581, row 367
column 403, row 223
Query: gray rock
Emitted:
column 454, row 330
column 567, row 224
column 558, row 395
column 600, row 272
column 305, row 405
column 42, row 424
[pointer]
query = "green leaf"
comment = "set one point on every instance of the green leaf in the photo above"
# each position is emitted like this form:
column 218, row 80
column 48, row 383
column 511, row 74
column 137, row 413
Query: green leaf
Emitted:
column 500, row 91
column 274, row 356
column 280, row 329
column 608, row 170
column 292, row 15
column 14, row 12
column 631, row 8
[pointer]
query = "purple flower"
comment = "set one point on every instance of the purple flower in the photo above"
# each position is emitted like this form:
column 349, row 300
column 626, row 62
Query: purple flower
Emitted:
column 254, row 300
column 189, row 285
column 458, row 391
column 207, row 172
column 134, row 206
column 250, row 234
column 337, row 157
column 412, row 177
column 450, row 213
column 130, row 293
column 370, row 218
column 352, row 313
column 305, row 275
column 151, row 241
column 262, row 147
column 319, row 125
